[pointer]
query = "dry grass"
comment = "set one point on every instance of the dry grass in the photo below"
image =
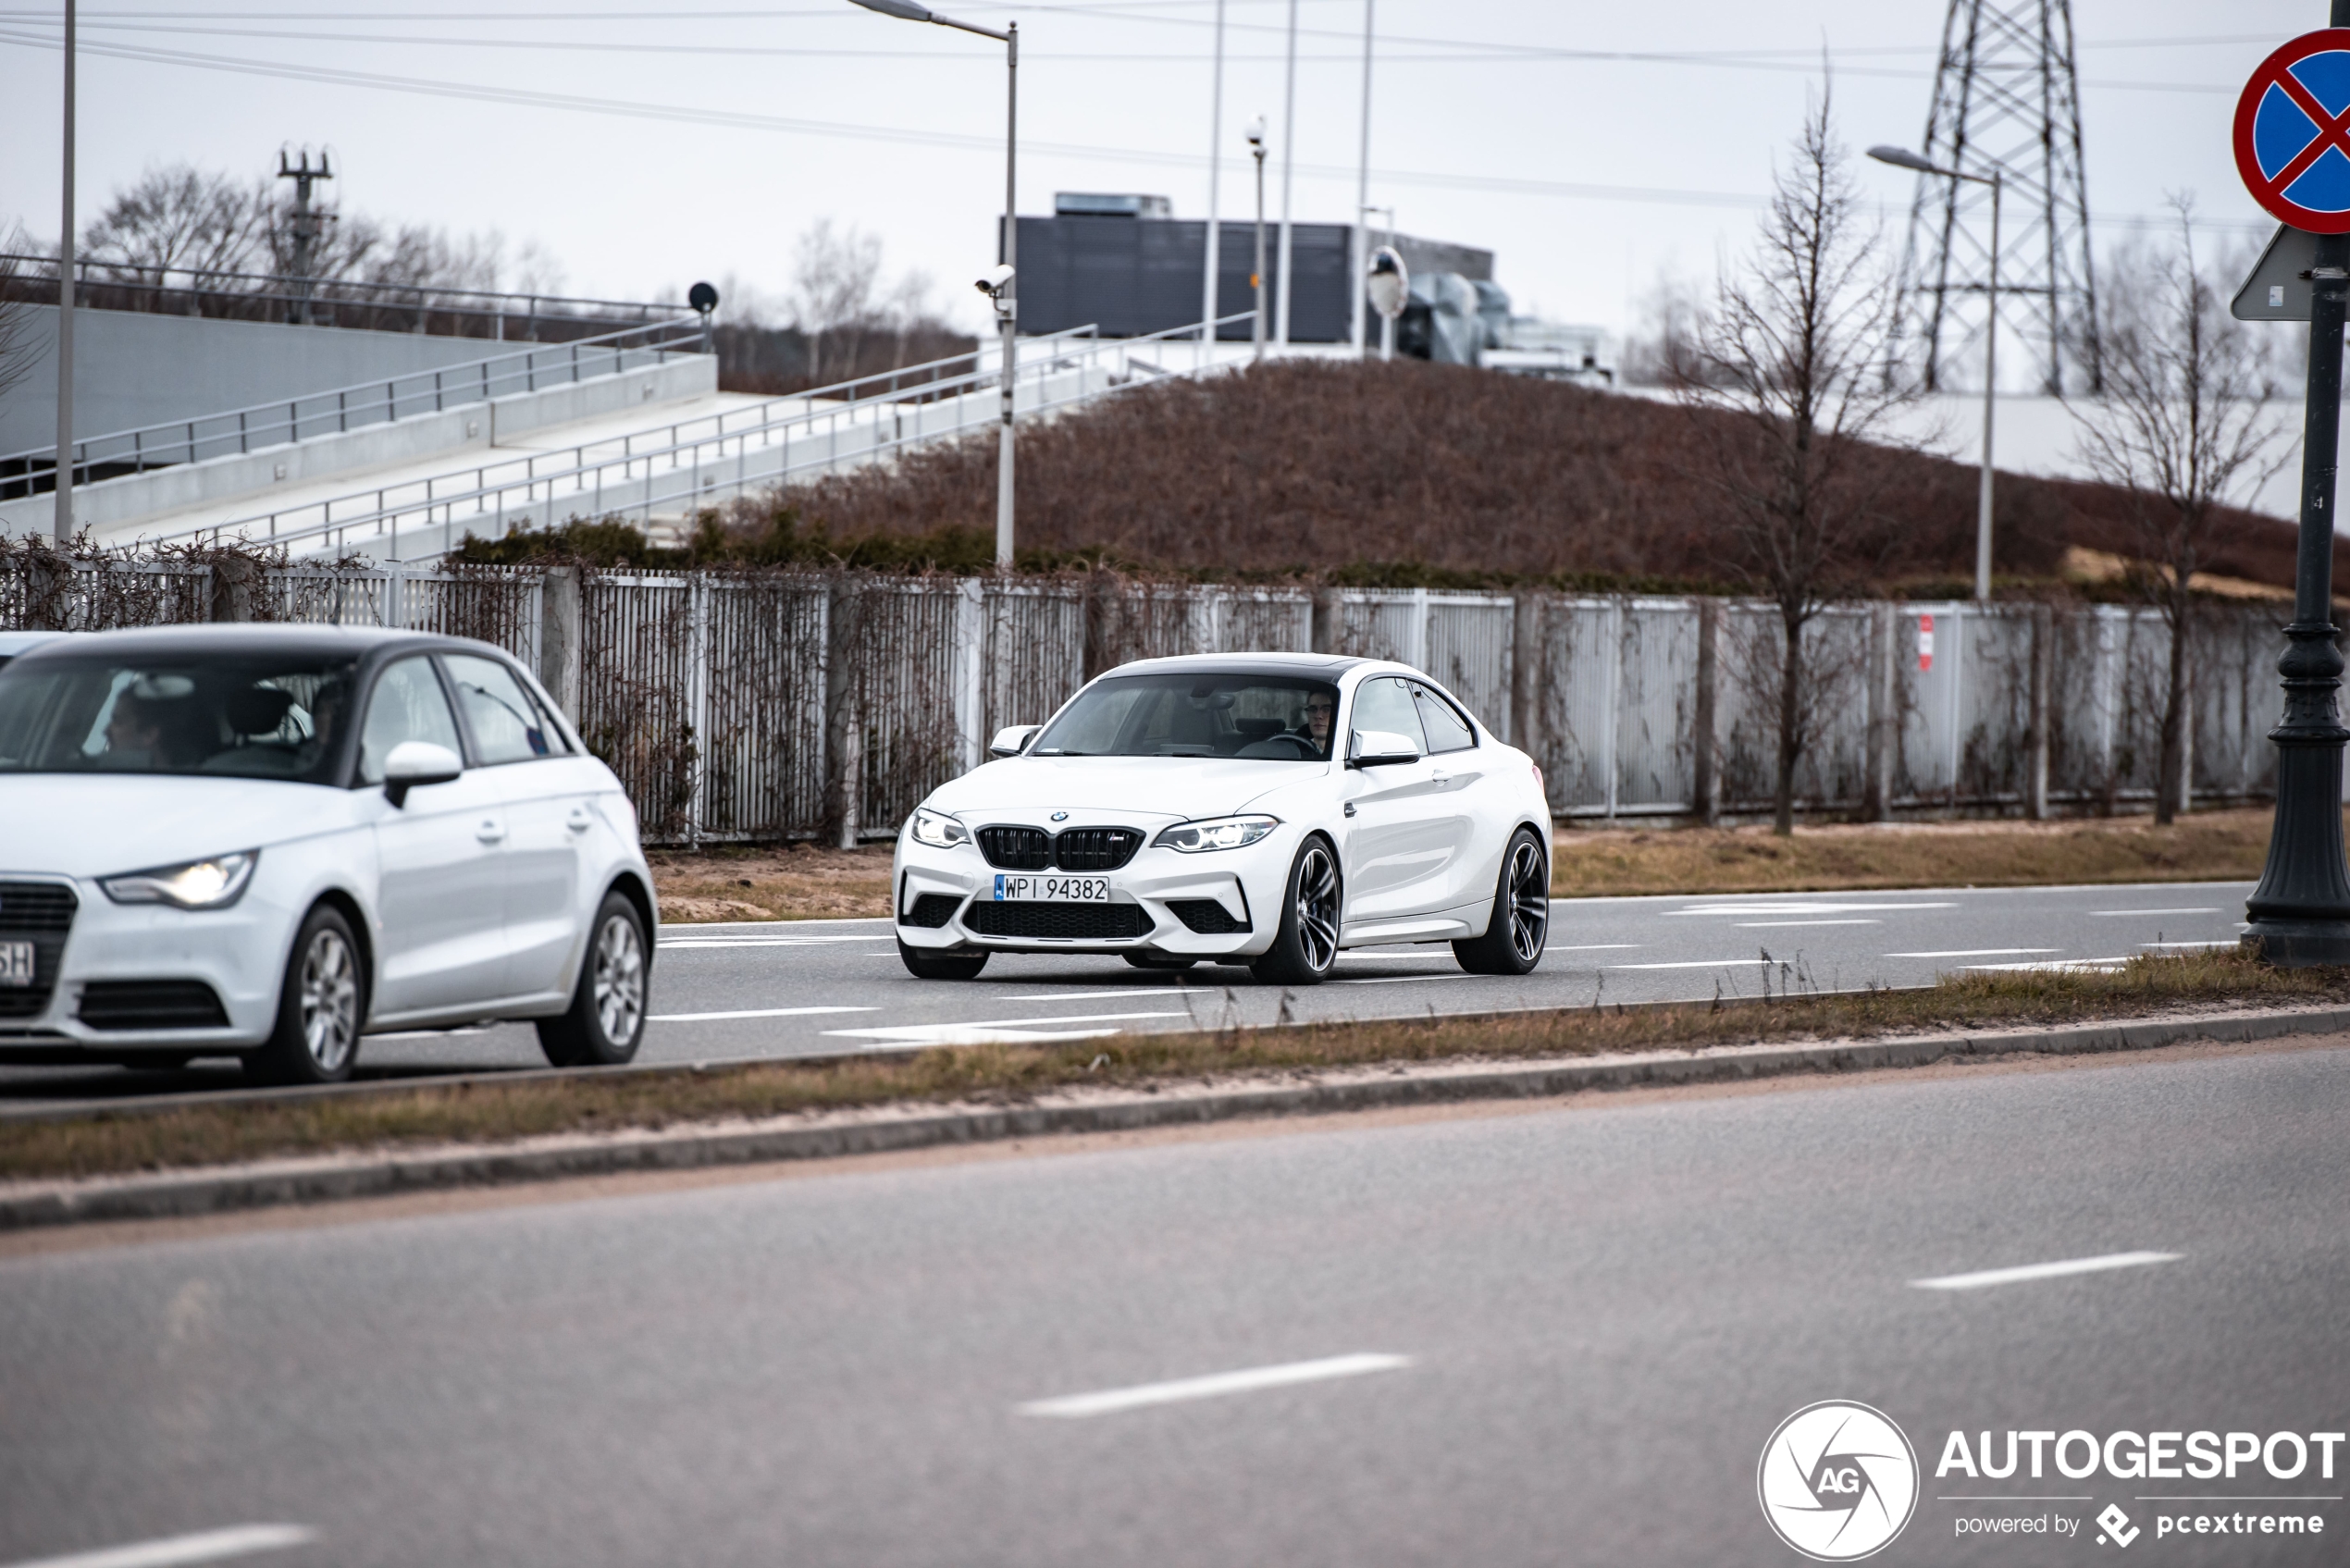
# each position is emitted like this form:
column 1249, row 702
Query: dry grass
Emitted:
column 117, row 1142
column 2211, row 846
column 772, row 883
column 805, row 882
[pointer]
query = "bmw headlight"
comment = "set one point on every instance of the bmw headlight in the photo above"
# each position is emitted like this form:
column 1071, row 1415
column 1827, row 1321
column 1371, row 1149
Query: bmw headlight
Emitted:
column 1215, row 833
column 938, row 830
column 213, row 884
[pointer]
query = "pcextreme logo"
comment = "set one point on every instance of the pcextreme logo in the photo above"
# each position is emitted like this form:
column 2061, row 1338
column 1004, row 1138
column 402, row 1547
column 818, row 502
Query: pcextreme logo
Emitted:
column 1837, row 1481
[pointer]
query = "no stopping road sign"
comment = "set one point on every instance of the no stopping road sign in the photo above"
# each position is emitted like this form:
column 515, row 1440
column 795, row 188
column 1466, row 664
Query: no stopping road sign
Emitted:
column 2293, row 132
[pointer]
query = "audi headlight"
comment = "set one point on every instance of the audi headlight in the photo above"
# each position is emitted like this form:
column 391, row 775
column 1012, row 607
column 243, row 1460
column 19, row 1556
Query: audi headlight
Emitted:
column 1215, row 833
column 938, row 830
column 213, row 884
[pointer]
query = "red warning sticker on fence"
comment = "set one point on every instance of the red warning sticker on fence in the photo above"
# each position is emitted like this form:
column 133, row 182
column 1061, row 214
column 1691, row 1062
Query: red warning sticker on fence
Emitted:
column 1925, row 643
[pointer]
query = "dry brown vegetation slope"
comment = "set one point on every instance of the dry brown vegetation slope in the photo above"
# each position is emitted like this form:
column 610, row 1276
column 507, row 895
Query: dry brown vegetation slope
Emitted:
column 1320, row 467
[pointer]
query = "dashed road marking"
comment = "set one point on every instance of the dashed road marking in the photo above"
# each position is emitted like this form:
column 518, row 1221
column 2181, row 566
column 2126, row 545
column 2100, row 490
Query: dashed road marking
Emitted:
column 205, row 1545
column 2030, row 1271
column 1110, row 1400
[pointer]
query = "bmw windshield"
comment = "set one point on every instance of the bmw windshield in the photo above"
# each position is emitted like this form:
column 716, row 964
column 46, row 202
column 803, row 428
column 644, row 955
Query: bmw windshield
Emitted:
column 259, row 716
column 1264, row 717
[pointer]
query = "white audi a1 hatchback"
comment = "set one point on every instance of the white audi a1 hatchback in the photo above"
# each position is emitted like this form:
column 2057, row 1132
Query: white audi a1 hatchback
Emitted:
column 1270, row 809
column 268, row 841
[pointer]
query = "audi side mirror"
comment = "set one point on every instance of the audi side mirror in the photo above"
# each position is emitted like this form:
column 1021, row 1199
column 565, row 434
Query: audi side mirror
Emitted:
column 1012, row 739
column 416, row 763
column 1380, row 748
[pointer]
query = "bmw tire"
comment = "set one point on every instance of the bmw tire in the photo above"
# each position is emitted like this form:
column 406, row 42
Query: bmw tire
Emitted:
column 322, row 1005
column 1521, row 920
column 925, row 965
column 1305, row 949
column 605, row 1023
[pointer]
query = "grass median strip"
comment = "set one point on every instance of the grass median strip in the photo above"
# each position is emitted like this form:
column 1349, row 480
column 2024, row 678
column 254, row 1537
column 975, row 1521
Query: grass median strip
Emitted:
column 112, row 1143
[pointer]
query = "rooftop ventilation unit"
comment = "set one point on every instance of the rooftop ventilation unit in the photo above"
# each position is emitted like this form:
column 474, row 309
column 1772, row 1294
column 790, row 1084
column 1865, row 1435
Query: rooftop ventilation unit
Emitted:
column 1082, row 204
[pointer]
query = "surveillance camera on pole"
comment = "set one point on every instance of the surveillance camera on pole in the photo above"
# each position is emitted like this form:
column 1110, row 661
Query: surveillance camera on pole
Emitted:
column 1256, row 275
column 994, row 281
column 1389, row 284
column 703, row 298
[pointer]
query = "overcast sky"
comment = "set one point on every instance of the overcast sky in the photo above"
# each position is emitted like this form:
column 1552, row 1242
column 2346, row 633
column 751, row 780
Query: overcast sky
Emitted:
column 1493, row 124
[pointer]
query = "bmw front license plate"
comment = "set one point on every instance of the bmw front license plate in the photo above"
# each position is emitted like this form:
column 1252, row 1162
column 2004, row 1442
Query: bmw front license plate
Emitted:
column 1052, row 890
column 15, row 963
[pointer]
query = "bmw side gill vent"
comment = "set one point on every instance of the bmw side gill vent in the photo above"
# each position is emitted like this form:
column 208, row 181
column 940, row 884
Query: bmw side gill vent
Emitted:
column 1078, row 849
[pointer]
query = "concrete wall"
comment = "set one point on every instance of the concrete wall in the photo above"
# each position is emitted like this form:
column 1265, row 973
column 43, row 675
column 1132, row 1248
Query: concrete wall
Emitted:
column 121, row 505
column 133, row 369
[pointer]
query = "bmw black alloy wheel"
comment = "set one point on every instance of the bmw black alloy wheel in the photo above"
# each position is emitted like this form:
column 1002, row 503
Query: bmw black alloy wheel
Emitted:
column 1529, row 901
column 1317, row 907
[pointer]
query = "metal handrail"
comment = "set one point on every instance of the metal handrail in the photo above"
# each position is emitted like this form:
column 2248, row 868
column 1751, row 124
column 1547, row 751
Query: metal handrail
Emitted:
column 240, row 430
column 688, row 447
column 330, row 291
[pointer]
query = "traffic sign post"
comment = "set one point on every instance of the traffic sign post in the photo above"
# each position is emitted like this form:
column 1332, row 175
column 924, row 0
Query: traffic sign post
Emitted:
column 2292, row 149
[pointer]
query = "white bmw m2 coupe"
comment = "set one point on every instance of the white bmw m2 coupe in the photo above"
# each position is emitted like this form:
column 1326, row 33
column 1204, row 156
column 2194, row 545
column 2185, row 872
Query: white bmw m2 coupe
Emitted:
column 268, row 841
column 1267, row 809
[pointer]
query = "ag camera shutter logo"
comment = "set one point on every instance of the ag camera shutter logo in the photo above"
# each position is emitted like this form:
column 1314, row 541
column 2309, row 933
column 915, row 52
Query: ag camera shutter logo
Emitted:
column 1838, row 1481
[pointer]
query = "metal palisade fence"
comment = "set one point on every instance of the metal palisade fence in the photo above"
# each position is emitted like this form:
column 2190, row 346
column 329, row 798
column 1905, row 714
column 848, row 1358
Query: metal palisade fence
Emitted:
column 777, row 703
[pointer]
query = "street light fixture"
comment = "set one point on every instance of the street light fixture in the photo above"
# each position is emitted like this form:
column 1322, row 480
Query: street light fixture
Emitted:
column 1256, row 279
column 1901, row 157
column 998, row 285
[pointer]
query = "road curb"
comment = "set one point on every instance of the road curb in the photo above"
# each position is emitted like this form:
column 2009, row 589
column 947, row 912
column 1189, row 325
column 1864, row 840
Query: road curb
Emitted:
column 884, row 1129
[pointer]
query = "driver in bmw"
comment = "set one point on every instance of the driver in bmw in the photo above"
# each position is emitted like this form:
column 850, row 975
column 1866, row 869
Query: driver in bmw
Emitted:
column 1321, row 708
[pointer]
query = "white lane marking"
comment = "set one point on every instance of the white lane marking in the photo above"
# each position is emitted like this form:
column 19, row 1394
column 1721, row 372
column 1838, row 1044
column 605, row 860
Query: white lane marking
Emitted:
column 1695, row 964
column 2057, row 1270
column 1112, row 993
column 1766, row 925
column 777, row 925
column 2119, row 914
column 1110, row 1400
column 1976, row 952
column 1397, row 979
column 430, row 1034
column 763, row 941
column 753, row 1013
column 2054, row 964
column 1806, row 908
column 993, row 1031
column 1593, row 947
column 205, row 1545
column 2167, row 947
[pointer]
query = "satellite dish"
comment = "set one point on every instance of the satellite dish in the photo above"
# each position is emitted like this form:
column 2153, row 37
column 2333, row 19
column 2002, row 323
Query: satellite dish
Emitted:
column 702, row 297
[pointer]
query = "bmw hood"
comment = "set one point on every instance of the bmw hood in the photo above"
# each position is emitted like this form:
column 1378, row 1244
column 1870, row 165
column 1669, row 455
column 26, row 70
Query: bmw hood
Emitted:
column 98, row 824
column 1172, row 789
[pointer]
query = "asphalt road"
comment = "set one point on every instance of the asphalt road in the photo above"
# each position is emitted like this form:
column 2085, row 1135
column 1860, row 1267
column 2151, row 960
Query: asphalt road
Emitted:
column 1570, row 1330
column 799, row 988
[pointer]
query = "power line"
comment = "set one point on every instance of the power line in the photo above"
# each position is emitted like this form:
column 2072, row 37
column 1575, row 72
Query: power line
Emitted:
column 737, row 119
column 1529, row 54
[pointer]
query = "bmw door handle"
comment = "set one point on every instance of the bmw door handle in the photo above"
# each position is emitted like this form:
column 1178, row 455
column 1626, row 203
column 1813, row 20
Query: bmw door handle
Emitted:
column 491, row 831
column 579, row 821
column 1439, row 779
column 1349, row 807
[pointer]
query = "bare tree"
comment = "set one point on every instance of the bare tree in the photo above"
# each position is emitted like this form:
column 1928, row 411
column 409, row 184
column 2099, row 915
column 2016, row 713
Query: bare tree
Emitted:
column 1788, row 373
column 18, row 348
column 836, row 289
column 2185, row 429
column 1663, row 338
column 180, row 217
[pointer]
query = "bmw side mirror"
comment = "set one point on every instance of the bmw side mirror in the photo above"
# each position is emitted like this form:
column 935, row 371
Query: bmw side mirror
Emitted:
column 1380, row 748
column 416, row 763
column 1012, row 739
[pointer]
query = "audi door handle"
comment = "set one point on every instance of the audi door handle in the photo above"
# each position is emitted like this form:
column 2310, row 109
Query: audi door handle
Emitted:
column 490, row 832
column 1349, row 807
column 579, row 821
column 1440, row 779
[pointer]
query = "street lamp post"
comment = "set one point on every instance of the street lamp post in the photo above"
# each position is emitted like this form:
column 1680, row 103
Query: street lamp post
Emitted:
column 63, row 526
column 1211, row 265
column 1256, row 279
column 1362, row 257
column 1901, row 157
column 999, row 285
